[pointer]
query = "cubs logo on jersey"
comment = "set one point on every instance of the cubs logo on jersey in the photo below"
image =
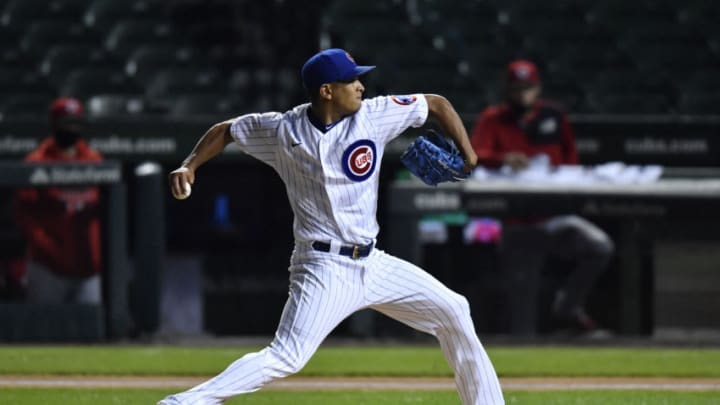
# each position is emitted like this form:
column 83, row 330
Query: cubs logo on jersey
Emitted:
column 359, row 159
column 403, row 100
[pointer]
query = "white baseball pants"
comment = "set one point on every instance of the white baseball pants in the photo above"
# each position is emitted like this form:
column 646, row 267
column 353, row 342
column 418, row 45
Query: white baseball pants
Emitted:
column 325, row 288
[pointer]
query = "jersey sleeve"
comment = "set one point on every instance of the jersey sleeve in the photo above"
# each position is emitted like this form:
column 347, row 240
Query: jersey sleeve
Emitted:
column 392, row 115
column 257, row 135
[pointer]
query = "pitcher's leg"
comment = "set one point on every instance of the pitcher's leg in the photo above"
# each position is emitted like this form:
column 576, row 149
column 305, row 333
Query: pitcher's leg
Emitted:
column 318, row 302
column 410, row 295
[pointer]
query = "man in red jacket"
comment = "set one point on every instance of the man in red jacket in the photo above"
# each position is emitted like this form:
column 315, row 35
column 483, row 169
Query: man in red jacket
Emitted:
column 511, row 134
column 62, row 225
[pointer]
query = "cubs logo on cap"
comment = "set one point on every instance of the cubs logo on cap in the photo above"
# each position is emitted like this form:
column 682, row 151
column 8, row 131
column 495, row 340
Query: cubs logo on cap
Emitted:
column 403, row 100
column 359, row 160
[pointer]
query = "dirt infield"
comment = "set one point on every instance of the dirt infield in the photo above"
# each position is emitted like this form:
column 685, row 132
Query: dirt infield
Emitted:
column 374, row 384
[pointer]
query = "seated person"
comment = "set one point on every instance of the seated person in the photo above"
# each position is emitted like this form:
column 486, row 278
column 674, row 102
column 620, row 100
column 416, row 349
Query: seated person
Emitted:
column 511, row 134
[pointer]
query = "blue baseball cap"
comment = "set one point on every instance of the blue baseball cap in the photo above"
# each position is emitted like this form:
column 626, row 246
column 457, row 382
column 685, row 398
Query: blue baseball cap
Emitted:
column 331, row 65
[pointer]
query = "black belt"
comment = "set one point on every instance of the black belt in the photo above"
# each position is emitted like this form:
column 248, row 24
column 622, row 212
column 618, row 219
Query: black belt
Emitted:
column 356, row 251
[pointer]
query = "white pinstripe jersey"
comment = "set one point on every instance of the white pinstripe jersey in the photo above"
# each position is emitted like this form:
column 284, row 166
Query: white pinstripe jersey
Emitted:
column 331, row 178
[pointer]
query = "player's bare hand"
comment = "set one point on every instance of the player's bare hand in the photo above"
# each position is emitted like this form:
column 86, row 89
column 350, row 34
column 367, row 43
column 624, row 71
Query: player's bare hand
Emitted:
column 180, row 181
column 516, row 160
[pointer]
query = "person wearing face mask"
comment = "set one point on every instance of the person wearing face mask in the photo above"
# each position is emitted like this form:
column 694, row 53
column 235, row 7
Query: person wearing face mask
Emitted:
column 61, row 224
column 511, row 135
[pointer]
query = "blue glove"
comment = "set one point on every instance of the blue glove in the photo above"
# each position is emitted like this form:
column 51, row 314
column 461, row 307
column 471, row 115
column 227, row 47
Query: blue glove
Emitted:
column 434, row 160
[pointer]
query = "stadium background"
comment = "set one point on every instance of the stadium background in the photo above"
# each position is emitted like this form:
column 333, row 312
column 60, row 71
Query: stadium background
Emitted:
column 638, row 78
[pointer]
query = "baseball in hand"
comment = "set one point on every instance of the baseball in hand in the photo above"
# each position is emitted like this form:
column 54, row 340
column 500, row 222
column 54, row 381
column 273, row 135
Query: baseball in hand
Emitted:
column 187, row 190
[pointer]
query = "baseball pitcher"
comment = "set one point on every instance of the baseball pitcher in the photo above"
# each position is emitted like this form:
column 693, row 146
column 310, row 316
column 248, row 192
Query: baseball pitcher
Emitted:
column 328, row 153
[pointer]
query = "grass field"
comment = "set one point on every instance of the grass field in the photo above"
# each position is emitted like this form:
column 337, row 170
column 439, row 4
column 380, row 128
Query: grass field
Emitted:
column 143, row 397
column 386, row 361
column 364, row 361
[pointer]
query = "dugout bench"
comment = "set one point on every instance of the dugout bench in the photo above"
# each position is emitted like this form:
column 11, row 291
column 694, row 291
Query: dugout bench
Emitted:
column 640, row 212
column 126, row 303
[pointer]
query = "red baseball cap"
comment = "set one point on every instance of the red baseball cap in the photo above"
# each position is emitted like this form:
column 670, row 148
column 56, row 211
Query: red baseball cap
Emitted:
column 66, row 107
column 522, row 72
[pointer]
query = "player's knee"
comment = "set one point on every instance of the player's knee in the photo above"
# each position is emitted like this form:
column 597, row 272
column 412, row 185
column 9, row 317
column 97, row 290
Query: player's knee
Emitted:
column 294, row 364
column 458, row 306
column 282, row 364
column 454, row 315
